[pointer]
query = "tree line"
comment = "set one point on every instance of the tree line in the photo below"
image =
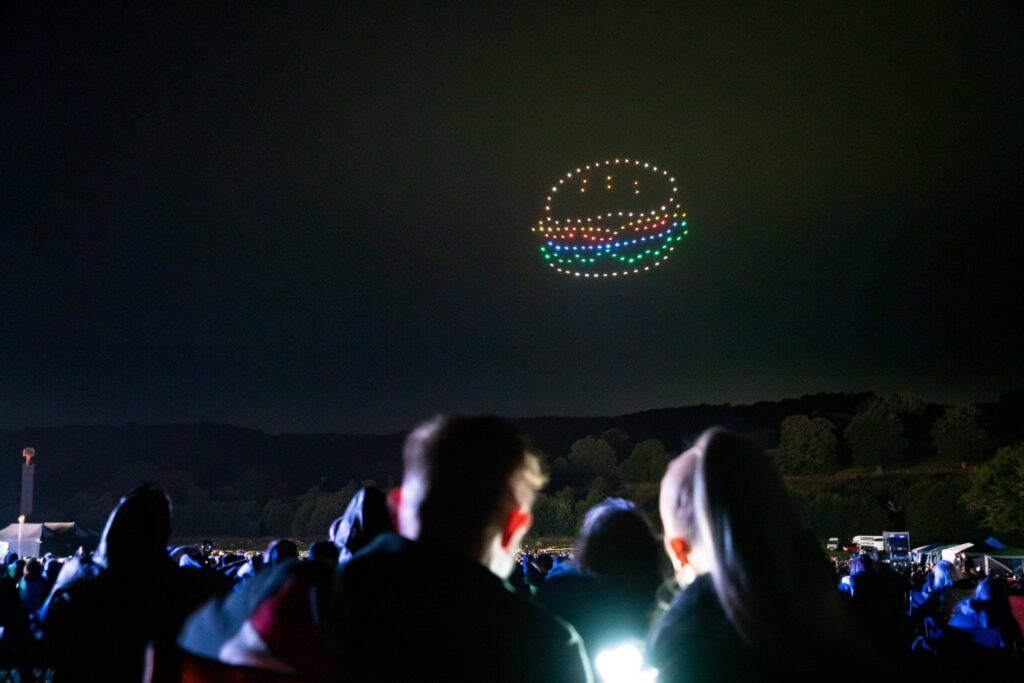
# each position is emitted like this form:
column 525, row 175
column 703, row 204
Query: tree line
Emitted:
column 892, row 464
column 890, row 461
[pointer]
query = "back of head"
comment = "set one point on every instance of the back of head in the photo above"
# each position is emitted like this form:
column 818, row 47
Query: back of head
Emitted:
column 325, row 551
column 992, row 588
column 34, row 569
column 464, row 474
column 770, row 578
column 366, row 517
column 616, row 541
column 943, row 574
column 747, row 526
column 281, row 550
column 992, row 603
column 675, row 502
column 137, row 530
column 861, row 564
column 52, row 568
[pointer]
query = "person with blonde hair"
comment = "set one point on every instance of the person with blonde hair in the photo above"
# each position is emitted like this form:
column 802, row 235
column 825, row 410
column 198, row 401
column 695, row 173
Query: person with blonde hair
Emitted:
column 432, row 603
column 757, row 600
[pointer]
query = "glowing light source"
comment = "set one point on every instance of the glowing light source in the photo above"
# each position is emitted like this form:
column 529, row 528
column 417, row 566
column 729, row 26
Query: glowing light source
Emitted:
column 623, row 664
column 624, row 230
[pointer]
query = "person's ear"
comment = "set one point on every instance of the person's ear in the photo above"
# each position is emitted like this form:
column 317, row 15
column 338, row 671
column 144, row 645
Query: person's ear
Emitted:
column 518, row 523
column 680, row 550
column 394, row 504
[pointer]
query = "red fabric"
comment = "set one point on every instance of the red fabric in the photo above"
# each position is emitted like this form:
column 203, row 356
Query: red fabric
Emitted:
column 1017, row 605
column 167, row 664
column 285, row 622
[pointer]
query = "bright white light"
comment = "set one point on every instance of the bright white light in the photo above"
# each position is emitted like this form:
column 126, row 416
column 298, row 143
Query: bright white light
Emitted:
column 623, row 664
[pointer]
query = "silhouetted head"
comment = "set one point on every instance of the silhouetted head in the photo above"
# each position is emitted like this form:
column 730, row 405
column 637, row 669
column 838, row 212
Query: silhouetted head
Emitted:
column 366, row 517
column 943, row 574
column 52, row 568
column 544, row 562
column 991, row 588
column 137, row 530
column 616, row 541
column 678, row 517
column 861, row 564
column 325, row 551
column 727, row 514
column 281, row 550
column 992, row 602
column 33, row 569
column 468, row 485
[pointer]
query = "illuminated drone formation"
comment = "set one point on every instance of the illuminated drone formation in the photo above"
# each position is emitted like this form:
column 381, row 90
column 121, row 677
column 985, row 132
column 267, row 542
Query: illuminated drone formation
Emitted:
column 611, row 218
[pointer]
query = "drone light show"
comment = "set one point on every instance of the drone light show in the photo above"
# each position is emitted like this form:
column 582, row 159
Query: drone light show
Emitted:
column 611, row 218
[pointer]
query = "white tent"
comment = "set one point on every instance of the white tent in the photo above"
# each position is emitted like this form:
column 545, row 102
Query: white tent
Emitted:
column 36, row 539
column 921, row 552
column 1006, row 565
column 949, row 554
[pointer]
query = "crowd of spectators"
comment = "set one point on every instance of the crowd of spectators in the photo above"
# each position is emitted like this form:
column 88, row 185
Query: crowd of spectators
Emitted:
column 427, row 582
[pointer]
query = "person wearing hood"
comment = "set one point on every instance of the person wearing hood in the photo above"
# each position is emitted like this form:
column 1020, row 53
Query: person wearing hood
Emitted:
column 366, row 517
column 96, row 623
column 988, row 608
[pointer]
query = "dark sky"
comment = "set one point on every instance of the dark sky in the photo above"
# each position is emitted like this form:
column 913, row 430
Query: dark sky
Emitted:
column 317, row 218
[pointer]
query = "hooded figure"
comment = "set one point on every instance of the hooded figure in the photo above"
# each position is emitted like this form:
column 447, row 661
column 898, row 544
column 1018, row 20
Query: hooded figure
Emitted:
column 989, row 608
column 271, row 624
column 96, row 625
column 366, row 517
column 135, row 537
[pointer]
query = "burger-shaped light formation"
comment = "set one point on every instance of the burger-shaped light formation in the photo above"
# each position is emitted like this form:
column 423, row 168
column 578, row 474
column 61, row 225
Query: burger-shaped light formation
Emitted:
column 611, row 218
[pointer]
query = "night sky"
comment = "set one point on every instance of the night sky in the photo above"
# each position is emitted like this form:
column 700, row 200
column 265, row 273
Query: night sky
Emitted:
column 317, row 218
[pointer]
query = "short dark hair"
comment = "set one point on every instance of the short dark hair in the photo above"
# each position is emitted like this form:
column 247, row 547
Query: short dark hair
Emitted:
column 616, row 541
column 475, row 469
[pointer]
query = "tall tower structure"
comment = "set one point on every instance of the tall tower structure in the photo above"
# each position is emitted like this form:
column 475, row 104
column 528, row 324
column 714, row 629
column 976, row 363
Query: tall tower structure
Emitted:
column 28, row 476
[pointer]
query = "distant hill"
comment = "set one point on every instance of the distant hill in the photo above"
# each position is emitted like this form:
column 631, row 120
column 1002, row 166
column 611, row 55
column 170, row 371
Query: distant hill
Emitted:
column 73, row 460
column 229, row 482
column 677, row 428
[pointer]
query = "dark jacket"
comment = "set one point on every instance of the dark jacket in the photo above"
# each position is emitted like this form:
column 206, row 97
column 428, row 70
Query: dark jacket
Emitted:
column 599, row 608
column 33, row 590
column 13, row 618
column 695, row 641
column 96, row 627
column 403, row 611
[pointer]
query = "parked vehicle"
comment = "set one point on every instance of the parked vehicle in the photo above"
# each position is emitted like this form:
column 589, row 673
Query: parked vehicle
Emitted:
column 897, row 545
column 832, row 544
column 870, row 541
